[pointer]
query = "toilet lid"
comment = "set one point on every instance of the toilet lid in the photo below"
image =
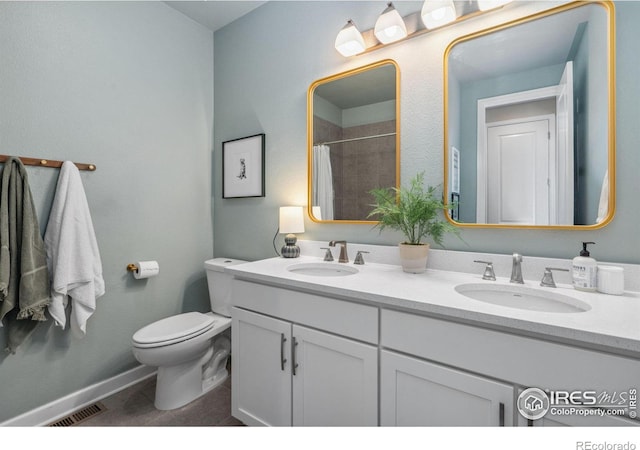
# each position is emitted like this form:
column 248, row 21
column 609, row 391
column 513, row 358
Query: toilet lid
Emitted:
column 174, row 329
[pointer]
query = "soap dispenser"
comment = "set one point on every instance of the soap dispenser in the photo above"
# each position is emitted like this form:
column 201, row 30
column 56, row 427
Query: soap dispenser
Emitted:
column 585, row 270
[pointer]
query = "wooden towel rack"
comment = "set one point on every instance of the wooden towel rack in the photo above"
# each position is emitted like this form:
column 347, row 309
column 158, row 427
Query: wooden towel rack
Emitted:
column 47, row 162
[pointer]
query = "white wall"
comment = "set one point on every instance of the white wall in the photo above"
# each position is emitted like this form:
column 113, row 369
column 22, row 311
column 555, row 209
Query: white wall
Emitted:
column 127, row 86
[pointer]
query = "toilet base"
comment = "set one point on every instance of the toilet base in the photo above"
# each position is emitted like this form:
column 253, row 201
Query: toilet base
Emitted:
column 214, row 381
column 178, row 385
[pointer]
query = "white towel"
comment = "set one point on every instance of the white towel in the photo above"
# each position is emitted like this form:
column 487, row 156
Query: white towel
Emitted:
column 73, row 257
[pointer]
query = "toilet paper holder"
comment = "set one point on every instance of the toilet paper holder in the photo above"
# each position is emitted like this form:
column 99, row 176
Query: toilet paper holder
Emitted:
column 143, row 269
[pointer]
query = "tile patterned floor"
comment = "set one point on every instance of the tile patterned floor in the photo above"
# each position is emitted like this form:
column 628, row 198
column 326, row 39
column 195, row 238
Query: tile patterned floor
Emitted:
column 133, row 407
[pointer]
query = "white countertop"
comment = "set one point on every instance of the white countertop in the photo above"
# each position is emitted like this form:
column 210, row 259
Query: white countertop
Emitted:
column 612, row 323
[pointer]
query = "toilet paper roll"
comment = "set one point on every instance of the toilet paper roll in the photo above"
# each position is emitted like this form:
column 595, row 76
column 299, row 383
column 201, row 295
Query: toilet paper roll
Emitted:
column 146, row 269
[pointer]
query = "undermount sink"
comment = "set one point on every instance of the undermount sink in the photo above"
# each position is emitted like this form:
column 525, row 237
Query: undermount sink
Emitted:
column 522, row 297
column 322, row 269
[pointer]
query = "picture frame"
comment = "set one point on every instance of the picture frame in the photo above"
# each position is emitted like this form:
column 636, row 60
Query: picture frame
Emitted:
column 243, row 167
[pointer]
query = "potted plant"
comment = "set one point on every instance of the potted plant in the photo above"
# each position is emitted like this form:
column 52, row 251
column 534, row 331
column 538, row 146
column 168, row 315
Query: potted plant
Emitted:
column 415, row 211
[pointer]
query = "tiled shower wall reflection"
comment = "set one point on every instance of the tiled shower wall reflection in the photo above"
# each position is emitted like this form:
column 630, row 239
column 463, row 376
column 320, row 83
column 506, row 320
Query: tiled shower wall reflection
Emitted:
column 358, row 166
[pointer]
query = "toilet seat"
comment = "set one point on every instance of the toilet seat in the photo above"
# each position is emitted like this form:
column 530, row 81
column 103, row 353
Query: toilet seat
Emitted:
column 173, row 329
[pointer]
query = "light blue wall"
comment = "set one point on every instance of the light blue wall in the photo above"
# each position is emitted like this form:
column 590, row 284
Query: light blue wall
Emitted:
column 594, row 168
column 264, row 64
column 127, row 86
column 470, row 94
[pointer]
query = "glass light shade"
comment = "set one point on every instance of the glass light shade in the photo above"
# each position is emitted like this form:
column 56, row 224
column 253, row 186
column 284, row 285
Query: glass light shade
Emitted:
column 349, row 41
column 291, row 219
column 485, row 5
column 390, row 26
column 436, row 13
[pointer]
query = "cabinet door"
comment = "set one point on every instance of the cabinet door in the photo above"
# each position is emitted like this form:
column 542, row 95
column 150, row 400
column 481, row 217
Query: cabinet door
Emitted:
column 335, row 382
column 260, row 372
column 414, row 392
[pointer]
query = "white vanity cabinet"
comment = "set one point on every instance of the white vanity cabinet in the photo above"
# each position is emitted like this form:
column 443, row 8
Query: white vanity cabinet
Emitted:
column 261, row 376
column 414, row 392
column 286, row 372
column 313, row 355
column 335, row 382
column 466, row 371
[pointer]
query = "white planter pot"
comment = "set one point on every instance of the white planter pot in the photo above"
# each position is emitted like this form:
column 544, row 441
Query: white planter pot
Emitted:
column 414, row 257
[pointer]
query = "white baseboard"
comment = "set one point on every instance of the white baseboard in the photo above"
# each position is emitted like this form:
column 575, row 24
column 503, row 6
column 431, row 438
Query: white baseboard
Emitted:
column 64, row 406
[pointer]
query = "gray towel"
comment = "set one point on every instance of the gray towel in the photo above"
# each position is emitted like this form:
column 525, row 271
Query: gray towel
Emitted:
column 24, row 278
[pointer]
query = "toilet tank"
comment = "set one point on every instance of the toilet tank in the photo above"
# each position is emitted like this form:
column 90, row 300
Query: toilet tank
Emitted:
column 220, row 284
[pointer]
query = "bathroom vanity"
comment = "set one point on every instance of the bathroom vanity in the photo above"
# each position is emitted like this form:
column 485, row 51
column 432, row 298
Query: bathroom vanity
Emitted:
column 382, row 347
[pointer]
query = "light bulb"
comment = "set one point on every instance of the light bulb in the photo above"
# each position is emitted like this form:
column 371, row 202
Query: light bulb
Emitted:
column 436, row 13
column 390, row 26
column 349, row 41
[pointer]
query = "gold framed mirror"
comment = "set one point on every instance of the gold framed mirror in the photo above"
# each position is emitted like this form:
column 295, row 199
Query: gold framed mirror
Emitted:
column 353, row 139
column 529, row 113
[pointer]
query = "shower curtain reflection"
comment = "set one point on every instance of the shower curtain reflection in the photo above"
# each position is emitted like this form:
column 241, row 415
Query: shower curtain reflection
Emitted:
column 322, row 182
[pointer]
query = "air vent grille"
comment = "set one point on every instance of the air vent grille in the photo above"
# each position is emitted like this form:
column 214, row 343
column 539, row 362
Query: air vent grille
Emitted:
column 79, row 416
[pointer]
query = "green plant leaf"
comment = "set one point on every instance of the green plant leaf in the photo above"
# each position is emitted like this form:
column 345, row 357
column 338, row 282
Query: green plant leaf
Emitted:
column 413, row 210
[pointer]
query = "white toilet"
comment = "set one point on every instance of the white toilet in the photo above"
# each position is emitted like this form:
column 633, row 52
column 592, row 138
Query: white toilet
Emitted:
column 190, row 349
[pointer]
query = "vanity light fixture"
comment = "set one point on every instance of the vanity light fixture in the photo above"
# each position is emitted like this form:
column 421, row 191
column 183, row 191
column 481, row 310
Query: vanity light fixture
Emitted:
column 486, row 5
column 436, row 13
column 349, row 41
column 291, row 221
column 390, row 26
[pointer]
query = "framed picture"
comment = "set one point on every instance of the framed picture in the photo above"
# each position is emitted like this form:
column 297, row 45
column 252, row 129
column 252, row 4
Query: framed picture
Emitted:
column 243, row 167
column 455, row 201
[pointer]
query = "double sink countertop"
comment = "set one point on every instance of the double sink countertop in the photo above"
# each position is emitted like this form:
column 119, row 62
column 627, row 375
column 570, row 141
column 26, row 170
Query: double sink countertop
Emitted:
column 611, row 324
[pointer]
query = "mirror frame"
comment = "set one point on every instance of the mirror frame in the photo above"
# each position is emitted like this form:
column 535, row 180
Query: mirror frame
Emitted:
column 310, row 92
column 610, row 11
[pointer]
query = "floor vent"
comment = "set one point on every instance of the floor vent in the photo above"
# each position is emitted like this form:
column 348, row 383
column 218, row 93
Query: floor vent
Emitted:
column 80, row 416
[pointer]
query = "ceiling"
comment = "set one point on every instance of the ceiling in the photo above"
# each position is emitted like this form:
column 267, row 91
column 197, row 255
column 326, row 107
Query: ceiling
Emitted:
column 366, row 88
column 538, row 43
column 215, row 14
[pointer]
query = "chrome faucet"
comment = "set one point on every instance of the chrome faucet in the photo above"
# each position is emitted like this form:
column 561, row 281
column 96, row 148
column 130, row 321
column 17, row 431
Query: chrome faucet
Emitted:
column 547, row 278
column 516, row 269
column 344, row 258
column 327, row 255
column 488, row 274
column 359, row 258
